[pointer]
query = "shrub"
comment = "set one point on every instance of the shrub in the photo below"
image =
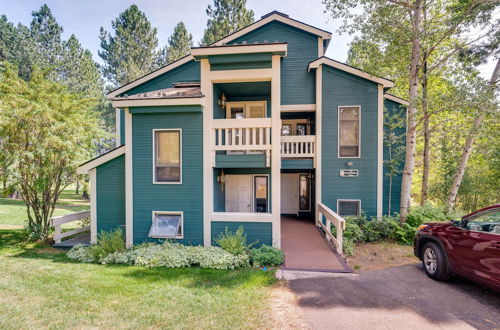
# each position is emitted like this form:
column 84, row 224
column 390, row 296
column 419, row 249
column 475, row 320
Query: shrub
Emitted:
column 348, row 247
column 107, row 243
column 81, row 253
column 217, row 258
column 234, row 243
column 267, row 256
column 427, row 213
column 169, row 255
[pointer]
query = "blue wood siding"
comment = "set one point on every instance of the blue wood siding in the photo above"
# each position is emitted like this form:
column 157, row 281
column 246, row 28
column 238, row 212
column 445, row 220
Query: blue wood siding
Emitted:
column 189, row 71
column 260, row 232
column 110, row 195
column 343, row 89
column 122, row 127
column 186, row 197
column 393, row 109
column 297, row 85
column 240, row 61
column 297, row 164
column 240, row 161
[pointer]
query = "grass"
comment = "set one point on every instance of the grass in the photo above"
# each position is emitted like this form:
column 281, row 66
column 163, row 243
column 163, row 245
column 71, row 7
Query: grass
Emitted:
column 41, row 288
column 13, row 211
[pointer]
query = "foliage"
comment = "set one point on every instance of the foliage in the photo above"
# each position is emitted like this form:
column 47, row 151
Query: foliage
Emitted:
column 108, row 243
column 266, row 256
column 131, row 50
column 46, row 132
column 235, row 243
column 170, row 255
column 179, row 43
column 224, row 18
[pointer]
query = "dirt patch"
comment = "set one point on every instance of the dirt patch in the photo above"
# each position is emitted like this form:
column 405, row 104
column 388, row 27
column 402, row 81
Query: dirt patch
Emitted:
column 48, row 250
column 371, row 256
column 284, row 308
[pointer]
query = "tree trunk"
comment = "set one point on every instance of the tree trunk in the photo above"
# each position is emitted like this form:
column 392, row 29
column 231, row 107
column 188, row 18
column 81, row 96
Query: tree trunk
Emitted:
column 469, row 145
column 427, row 135
column 77, row 189
column 411, row 134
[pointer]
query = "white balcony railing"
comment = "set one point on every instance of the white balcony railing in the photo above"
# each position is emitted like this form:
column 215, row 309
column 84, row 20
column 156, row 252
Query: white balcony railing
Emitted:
column 299, row 146
column 242, row 134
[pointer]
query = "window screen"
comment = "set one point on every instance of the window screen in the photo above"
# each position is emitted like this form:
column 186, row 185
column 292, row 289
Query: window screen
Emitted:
column 349, row 131
column 348, row 208
column 167, row 156
column 166, row 226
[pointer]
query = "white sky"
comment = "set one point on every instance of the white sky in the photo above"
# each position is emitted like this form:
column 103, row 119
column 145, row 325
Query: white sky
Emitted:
column 85, row 17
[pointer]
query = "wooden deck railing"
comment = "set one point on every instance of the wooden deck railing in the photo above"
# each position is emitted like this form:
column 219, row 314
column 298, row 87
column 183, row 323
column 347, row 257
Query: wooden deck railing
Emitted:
column 242, row 134
column 58, row 221
column 331, row 218
column 299, row 146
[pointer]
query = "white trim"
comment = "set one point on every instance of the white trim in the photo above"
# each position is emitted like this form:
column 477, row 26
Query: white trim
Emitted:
column 93, row 206
column 150, row 76
column 348, row 200
column 129, row 197
column 321, row 51
column 298, row 107
column 268, row 19
column 85, row 168
column 241, row 217
column 396, row 99
column 117, row 128
column 239, row 49
column 344, row 67
column 276, row 149
column 157, row 102
column 318, row 122
column 154, row 153
column 208, row 172
column 240, row 75
column 380, row 153
column 172, row 213
column 338, row 131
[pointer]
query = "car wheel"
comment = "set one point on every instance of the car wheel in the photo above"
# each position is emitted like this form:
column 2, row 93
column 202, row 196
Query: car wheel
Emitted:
column 434, row 262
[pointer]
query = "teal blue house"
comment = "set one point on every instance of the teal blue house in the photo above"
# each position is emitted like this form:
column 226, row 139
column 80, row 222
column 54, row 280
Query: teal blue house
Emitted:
column 239, row 133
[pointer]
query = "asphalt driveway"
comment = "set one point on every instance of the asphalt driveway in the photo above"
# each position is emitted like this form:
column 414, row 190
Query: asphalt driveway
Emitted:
column 396, row 298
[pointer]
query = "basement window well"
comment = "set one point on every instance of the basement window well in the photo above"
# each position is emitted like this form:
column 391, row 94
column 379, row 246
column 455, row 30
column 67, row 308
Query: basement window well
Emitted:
column 166, row 225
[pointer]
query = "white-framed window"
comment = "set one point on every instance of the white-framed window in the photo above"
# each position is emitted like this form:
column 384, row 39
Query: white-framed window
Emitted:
column 167, row 156
column 261, row 193
column 349, row 131
column 167, row 224
column 348, row 207
column 246, row 109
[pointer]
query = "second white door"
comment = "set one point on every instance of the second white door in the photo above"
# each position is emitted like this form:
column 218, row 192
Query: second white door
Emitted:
column 289, row 193
column 238, row 193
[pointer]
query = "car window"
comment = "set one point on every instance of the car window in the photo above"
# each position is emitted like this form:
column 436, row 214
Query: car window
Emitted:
column 486, row 222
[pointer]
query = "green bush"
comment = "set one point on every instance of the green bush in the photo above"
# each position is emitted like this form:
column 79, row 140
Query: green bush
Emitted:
column 348, row 247
column 234, row 243
column 267, row 256
column 107, row 243
column 81, row 253
column 427, row 213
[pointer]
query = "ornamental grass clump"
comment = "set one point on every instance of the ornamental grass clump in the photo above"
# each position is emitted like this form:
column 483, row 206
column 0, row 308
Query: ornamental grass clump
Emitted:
column 234, row 243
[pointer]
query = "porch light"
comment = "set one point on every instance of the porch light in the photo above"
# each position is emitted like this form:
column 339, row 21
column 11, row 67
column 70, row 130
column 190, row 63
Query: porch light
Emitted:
column 222, row 101
column 221, row 178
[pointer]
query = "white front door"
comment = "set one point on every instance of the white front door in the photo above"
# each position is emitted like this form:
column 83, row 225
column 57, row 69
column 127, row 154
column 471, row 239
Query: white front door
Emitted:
column 289, row 193
column 238, row 193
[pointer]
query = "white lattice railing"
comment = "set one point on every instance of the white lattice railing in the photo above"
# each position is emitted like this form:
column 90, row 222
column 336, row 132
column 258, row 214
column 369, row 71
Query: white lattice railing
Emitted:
column 331, row 218
column 241, row 134
column 299, row 146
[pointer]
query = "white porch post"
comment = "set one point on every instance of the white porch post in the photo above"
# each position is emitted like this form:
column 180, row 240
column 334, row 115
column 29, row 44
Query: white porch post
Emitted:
column 319, row 108
column 275, row 149
column 380, row 152
column 207, row 90
column 129, row 200
column 93, row 206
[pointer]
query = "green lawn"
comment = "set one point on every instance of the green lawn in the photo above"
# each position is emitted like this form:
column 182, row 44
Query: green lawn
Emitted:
column 13, row 212
column 41, row 288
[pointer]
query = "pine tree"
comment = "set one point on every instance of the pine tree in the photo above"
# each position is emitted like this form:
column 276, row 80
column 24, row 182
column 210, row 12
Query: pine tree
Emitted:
column 179, row 43
column 131, row 51
column 224, row 18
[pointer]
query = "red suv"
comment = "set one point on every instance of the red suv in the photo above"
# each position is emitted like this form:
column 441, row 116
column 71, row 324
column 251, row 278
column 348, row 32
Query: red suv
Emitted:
column 469, row 247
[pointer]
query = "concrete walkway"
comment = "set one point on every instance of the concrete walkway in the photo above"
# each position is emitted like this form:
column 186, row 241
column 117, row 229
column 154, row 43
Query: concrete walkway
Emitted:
column 306, row 249
column 396, row 298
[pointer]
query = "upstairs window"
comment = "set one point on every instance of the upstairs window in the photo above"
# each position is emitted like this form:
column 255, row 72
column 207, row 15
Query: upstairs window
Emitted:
column 349, row 132
column 347, row 208
column 167, row 156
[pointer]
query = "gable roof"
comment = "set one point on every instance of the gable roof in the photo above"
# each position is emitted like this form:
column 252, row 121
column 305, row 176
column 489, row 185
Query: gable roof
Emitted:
column 99, row 160
column 275, row 16
column 272, row 16
column 396, row 99
column 350, row 69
